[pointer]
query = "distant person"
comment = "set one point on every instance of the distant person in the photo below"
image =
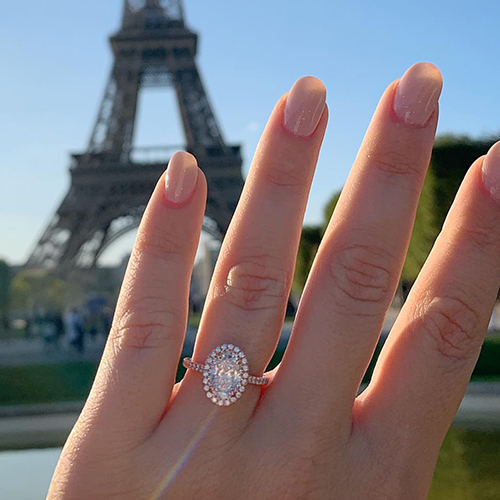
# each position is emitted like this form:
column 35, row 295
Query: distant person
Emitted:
column 48, row 332
column 93, row 327
column 59, row 327
column 106, row 319
column 28, row 328
column 75, row 330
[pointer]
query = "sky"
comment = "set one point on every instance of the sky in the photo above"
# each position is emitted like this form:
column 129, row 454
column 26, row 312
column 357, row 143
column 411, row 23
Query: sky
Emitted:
column 55, row 60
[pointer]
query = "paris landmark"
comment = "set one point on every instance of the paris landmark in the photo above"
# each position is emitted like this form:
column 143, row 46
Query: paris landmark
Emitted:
column 111, row 181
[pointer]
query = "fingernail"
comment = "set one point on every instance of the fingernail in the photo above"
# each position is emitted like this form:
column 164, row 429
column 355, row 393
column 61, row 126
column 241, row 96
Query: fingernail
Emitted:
column 304, row 106
column 418, row 93
column 181, row 176
column 491, row 171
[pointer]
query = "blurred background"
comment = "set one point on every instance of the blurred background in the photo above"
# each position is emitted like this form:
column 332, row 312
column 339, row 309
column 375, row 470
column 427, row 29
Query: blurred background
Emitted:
column 86, row 129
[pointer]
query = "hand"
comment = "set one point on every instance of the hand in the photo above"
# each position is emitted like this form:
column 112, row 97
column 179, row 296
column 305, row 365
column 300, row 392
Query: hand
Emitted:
column 305, row 435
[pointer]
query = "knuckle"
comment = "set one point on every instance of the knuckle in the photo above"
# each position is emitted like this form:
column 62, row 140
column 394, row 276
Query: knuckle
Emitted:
column 453, row 325
column 285, row 173
column 362, row 278
column 141, row 327
column 485, row 238
column 159, row 244
column 396, row 163
column 257, row 283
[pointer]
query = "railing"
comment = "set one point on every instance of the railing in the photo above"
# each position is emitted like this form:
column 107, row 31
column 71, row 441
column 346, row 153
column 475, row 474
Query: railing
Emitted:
column 154, row 154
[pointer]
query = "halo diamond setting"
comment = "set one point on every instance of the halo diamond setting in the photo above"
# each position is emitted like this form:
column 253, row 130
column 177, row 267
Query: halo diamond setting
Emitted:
column 225, row 374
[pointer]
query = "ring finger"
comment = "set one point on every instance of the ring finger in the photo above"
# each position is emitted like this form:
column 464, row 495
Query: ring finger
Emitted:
column 247, row 300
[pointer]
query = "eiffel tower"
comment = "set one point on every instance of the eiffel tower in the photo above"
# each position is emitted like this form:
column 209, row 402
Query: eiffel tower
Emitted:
column 111, row 181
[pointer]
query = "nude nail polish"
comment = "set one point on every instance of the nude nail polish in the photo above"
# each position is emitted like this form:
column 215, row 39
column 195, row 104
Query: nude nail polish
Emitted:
column 304, row 106
column 418, row 93
column 491, row 172
column 181, row 177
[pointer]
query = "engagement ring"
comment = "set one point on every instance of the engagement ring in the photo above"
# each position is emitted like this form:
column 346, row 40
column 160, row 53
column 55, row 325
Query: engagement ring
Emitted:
column 225, row 374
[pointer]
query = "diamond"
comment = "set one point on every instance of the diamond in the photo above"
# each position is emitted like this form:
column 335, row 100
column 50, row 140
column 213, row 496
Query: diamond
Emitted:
column 226, row 378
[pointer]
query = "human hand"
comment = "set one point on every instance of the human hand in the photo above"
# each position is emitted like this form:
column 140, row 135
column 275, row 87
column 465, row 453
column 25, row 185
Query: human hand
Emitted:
column 306, row 435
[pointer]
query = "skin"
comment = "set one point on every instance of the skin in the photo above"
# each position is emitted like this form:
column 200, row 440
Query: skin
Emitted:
column 306, row 435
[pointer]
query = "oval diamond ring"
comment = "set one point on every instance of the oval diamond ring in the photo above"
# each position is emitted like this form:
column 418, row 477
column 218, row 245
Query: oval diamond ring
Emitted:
column 225, row 374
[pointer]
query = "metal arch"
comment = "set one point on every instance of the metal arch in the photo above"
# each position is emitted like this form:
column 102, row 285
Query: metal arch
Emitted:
column 209, row 226
column 112, row 237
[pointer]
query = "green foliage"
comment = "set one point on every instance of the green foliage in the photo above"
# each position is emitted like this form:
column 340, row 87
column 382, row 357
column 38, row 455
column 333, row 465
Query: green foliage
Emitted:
column 329, row 209
column 424, row 232
column 37, row 288
column 451, row 158
column 4, row 285
column 4, row 297
column 467, row 467
column 309, row 244
column 32, row 384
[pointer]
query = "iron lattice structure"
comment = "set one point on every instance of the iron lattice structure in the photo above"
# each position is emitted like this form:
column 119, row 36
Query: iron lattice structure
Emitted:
column 111, row 182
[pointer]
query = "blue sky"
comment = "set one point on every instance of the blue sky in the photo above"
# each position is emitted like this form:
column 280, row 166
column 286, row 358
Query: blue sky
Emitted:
column 55, row 60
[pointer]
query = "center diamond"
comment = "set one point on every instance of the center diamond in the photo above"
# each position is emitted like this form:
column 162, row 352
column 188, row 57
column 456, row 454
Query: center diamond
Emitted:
column 225, row 374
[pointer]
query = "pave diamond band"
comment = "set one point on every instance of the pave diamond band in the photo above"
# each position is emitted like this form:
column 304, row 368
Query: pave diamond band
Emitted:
column 225, row 374
column 198, row 367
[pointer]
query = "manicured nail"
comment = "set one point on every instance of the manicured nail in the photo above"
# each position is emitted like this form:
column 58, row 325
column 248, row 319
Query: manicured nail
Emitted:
column 181, row 176
column 491, row 171
column 304, row 106
column 418, row 93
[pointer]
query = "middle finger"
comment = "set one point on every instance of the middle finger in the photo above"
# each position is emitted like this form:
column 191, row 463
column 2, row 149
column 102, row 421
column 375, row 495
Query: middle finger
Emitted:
column 356, row 271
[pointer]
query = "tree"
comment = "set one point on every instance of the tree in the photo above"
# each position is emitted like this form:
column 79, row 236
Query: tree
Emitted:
column 329, row 209
column 308, row 247
column 37, row 288
column 452, row 156
column 4, row 295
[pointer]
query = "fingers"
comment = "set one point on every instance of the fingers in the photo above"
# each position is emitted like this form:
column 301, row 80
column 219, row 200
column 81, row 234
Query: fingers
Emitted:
column 356, row 271
column 250, row 287
column 427, row 362
column 138, row 368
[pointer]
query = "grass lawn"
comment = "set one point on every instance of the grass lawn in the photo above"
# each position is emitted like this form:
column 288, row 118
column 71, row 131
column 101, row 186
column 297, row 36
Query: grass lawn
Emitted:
column 71, row 381
column 31, row 384
column 468, row 467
